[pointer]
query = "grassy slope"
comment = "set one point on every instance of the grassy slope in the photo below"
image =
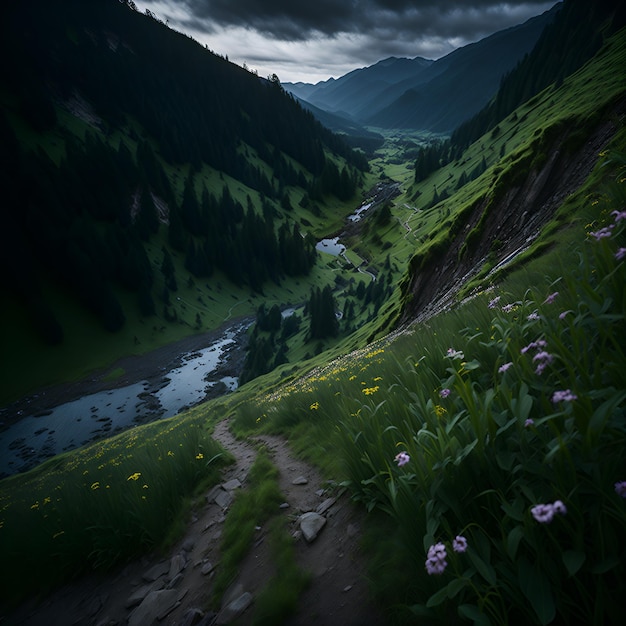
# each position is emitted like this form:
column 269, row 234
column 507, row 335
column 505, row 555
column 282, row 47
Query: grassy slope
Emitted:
column 284, row 400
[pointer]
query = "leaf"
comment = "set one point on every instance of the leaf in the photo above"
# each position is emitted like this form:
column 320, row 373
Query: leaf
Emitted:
column 573, row 561
column 471, row 611
column 505, row 459
column 512, row 541
column 437, row 598
column 482, row 567
column 607, row 564
column 454, row 586
column 421, row 610
column 536, row 587
column 514, row 510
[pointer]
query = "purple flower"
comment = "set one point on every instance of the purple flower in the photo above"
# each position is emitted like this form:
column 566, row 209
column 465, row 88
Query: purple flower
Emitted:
column 444, row 393
column 534, row 345
column 505, row 367
column 619, row 215
column 563, row 396
column 544, row 513
column 455, row 354
column 620, row 254
column 620, row 488
column 459, row 544
column 563, row 315
column 436, row 559
column 492, row 303
column 402, row 458
column 507, row 308
column 551, row 298
column 544, row 359
column 529, row 422
column 602, row 233
column 533, row 316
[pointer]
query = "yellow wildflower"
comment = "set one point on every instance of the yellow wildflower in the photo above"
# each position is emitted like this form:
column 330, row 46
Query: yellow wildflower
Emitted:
column 134, row 476
column 315, row 406
column 95, row 485
column 368, row 391
column 199, row 456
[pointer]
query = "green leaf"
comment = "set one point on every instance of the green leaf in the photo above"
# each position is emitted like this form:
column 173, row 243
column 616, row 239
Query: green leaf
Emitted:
column 482, row 567
column 421, row 610
column 607, row 564
column 437, row 598
column 471, row 611
column 454, row 586
column 573, row 561
column 512, row 541
column 515, row 509
column 505, row 459
column 536, row 587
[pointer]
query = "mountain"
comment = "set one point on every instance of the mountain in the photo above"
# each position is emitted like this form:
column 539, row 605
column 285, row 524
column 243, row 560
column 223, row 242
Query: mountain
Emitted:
column 138, row 161
column 429, row 95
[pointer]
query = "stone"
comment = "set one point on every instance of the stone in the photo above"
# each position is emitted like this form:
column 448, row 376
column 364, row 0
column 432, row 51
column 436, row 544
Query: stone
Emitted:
column 156, row 605
column 174, row 582
column 284, row 505
column 192, row 617
column 207, row 568
column 138, row 596
column 160, row 569
column 177, row 565
column 188, row 545
column 301, row 480
column 231, row 485
column 234, row 608
column 311, row 524
column 223, row 499
column 324, row 506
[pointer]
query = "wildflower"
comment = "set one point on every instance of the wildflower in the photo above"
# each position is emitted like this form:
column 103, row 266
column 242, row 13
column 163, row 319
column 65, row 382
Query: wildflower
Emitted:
column 436, row 559
column 95, row 485
column 551, row 298
column 368, row 391
column 170, row 453
column 134, row 476
column 315, row 406
column 620, row 488
column 563, row 396
column 439, row 410
column 544, row 358
column 602, row 233
column 529, row 422
column 507, row 308
column 402, row 458
column 455, row 354
column 444, row 393
column 459, row 543
column 199, row 456
column 533, row 316
column 544, row 513
column 619, row 215
column 492, row 303
column 563, row 315
column 620, row 254
column 503, row 368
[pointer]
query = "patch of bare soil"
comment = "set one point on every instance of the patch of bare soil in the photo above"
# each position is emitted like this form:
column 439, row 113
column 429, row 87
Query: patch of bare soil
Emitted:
column 175, row 589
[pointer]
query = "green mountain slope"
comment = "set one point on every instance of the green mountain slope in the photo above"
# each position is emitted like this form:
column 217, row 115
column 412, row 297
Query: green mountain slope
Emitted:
column 143, row 171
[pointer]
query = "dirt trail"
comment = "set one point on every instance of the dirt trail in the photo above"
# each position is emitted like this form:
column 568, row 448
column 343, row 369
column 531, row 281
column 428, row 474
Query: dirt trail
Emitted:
column 338, row 593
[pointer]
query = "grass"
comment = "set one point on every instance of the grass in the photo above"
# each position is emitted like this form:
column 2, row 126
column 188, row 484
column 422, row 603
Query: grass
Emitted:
column 524, row 405
column 103, row 504
column 253, row 507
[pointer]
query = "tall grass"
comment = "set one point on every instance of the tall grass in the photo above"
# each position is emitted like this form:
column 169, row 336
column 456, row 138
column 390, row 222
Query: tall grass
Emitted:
column 102, row 505
column 508, row 501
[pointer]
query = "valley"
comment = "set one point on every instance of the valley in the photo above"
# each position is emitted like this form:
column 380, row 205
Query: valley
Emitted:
column 389, row 313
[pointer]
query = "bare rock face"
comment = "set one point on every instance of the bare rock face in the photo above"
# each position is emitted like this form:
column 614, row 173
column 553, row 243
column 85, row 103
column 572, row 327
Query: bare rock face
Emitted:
column 155, row 606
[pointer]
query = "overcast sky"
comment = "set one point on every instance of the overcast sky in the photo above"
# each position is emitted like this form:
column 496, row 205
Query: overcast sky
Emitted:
column 312, row 40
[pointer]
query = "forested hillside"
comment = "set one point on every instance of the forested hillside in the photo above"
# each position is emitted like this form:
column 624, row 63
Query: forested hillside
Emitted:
column 150, row 110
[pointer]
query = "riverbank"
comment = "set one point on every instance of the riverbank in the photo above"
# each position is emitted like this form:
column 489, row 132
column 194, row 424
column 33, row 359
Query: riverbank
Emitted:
column 134, row 390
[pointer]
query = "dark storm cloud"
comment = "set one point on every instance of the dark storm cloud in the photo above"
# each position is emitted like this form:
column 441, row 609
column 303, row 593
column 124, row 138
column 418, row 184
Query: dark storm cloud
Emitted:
column 288, row 20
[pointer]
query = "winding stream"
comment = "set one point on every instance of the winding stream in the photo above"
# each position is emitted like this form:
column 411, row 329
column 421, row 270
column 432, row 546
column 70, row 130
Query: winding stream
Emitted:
column 194, row 377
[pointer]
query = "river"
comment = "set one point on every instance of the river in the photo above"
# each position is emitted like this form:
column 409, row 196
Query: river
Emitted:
column 36, row 428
